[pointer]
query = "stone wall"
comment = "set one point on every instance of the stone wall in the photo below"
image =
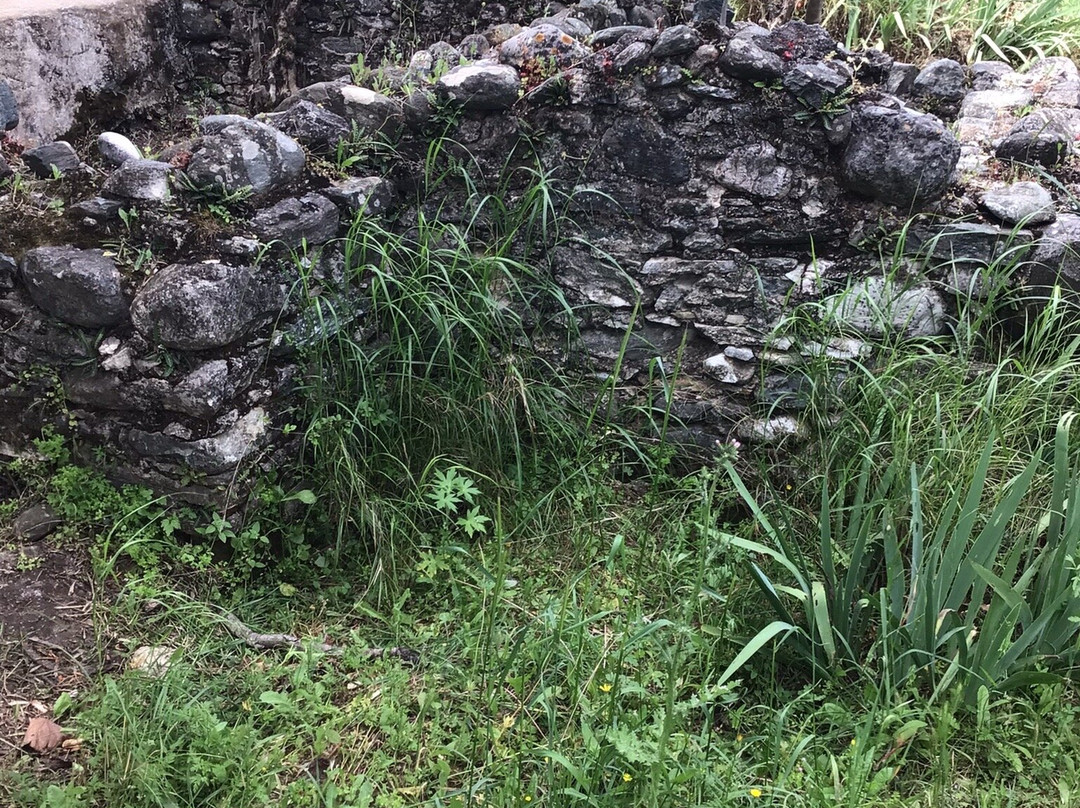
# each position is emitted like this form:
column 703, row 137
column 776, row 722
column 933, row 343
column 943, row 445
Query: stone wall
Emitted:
column 721, row 177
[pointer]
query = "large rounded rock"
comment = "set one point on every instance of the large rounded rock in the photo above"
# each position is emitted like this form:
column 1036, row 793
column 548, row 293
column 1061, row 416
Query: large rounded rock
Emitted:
column 481, row 86
column 318, row 129
column 542, row 47
column 942, row 80
column 194, row 307
column 898, row 156
column 246, row 155
column 879, row 306
column 81, row 287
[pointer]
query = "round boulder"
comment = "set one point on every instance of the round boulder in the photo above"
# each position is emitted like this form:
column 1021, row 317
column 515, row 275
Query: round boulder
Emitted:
column 195, row 307
column 246, row 156
column 481, row 86
column 898, row 156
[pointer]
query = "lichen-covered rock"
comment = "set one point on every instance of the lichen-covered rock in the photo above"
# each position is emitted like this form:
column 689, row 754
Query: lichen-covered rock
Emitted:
column 879, row 306
column 898, row 156
column 372, row 195
column 140, row 181
column 311, row 218
column 987, row 74
column 1026, row 202
column 942, row 80
column 966, row 242
column 195, row 307
column 246, row 155
column 52, row 158
column 567, row 23
column 543, row 45
column 117, row 149
column 317, row 129
column 481, row 86
column 600, row 13
column 81, row 287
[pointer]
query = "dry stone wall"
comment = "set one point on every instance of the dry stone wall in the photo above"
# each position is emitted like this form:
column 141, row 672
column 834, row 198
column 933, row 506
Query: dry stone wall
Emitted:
column 720, row 176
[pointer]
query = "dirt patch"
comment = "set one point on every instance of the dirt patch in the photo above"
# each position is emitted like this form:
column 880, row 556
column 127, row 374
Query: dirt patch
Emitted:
column 47, row 640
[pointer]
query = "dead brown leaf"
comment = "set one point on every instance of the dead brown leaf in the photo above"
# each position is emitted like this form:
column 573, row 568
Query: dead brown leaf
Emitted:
column 42, row 735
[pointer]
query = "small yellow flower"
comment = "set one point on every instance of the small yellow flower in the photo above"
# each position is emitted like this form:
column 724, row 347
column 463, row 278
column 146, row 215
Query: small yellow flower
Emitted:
column 527, row 798
column 853, row 742
column 755, row 793
column 627, row 777
column 787, row 487
column 738, row 738
column 606, row 687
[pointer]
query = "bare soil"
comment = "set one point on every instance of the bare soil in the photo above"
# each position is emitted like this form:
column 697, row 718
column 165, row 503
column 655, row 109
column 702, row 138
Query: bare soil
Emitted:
column 47, row 639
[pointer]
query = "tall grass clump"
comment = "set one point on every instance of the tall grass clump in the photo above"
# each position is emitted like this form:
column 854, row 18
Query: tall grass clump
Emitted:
column 1016, row 31
column 934, row 541
column 441, row 391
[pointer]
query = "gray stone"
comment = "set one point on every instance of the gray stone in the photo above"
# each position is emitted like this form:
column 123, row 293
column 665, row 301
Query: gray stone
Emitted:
column 5, row 169
column 45, row 160
column 291, row 222
column 246, row 155
column 986, row 75
column 901, row 79
column 1038, row 139
column 746, row 59
column 966, row 242
column 717, row 11
column 202, row 393
column 372, row 195
column 635, row 33
column 879, row 306
column 214, row 124
column 9, row 108
column 1022, row 202
column 97, row 210
column 647, row 17
column 542, row 45
column 474, row 46
column 1056, row 260
column 643, row 150
column 140, row 180
column 816, row 84
column 36, row 522
column 317, row 129
column 370, row 112
column 81, row 287
column 481, row 86
column 675, row 41
column 221, row 453
column 117, row 149
column 574, row 26
column 600, row 13
column 195, row 307
column 994, row 104
column 898, row 156
column 942, row 80
column 755, row 170
column 633, row 57
column 9, row 272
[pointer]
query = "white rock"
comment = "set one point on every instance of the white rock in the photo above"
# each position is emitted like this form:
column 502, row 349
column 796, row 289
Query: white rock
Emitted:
column 117, row 149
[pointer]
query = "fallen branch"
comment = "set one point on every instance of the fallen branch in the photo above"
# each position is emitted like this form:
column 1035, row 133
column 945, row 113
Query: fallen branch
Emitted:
column 264, row 642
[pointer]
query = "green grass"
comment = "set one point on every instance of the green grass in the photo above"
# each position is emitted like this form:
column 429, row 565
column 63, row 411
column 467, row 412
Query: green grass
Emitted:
column 589, row 620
